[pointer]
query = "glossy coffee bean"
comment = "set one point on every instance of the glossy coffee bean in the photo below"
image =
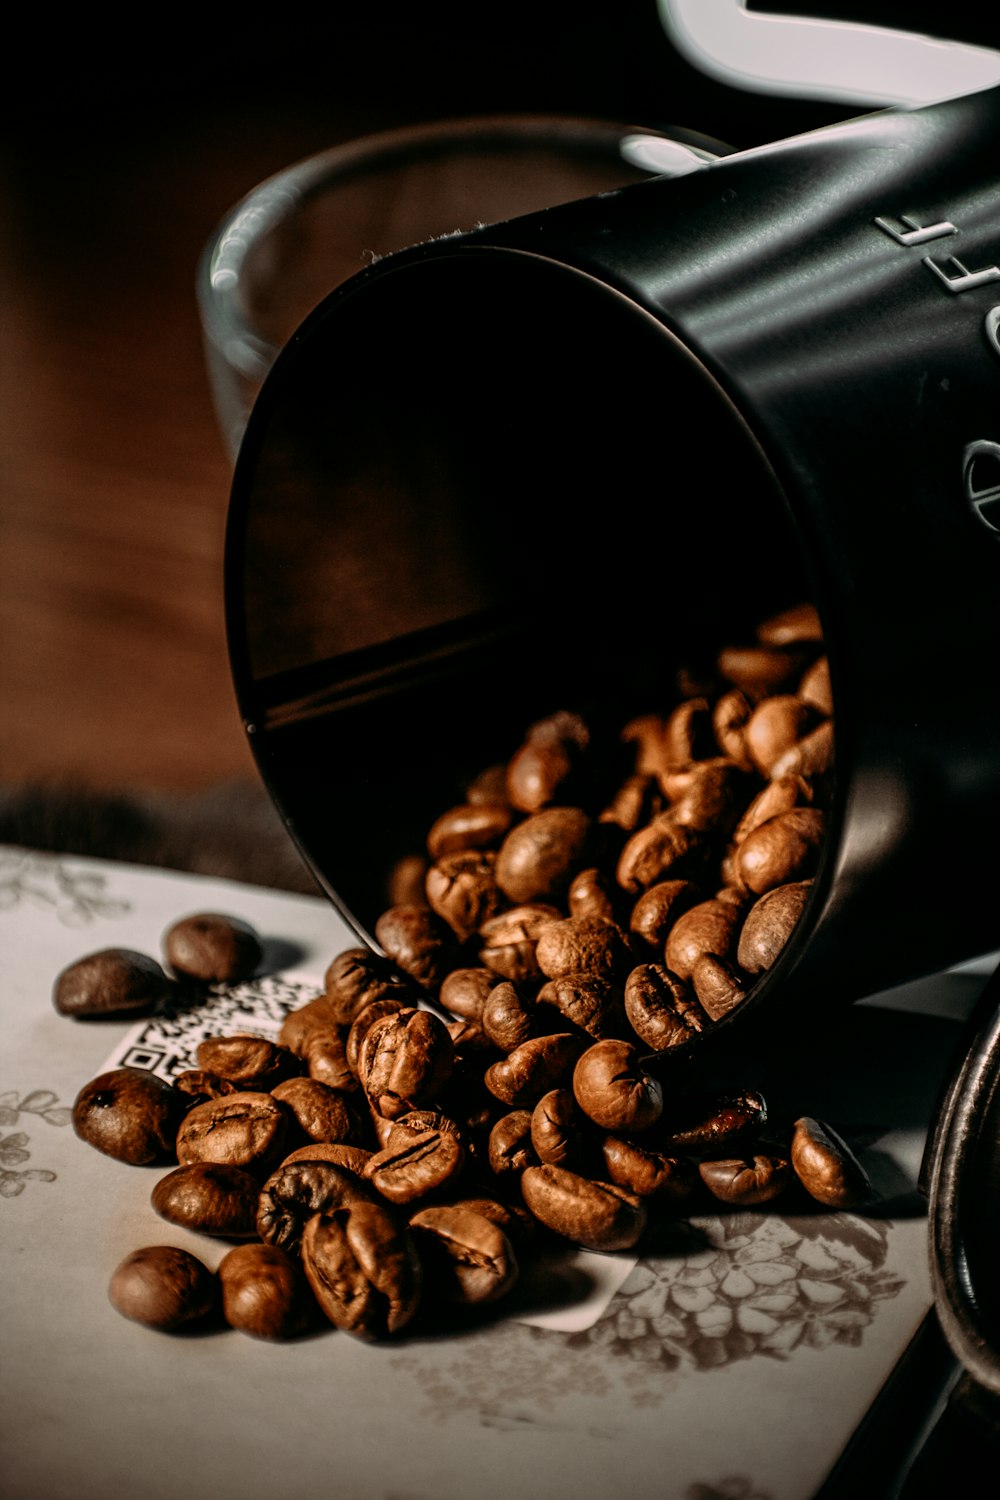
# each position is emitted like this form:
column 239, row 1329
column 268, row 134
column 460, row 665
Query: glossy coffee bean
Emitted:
column 470, row 825
column 164, row 1287
column 297, row 1190
column 210, row 1198
column 265, row 1293
column 242, row 1130
column 131, row 1115
column 539, row 857
column 543, row 769
column 827, row 1167
column 250, row 1062
column 466, row 1257
column 405, row 1061
column 363, row 1268
column 509, row 940
column 357, row 977
column 595, row 1215
column 111, row 983
column 416, row 1165
column 213, row 948
column 614, row 1090
column 462, row 889
column 712, row 1124
column 530, row 1070
column 662, row 1008
column 319, row 1112
column 746, row 1181
column 648, row 1173
column 769, row 924
column 510, row 1147
column 419, row 942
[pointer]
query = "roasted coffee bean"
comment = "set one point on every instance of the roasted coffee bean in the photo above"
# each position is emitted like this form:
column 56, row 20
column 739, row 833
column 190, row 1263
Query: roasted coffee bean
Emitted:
column 635, row 803
column 712, row 926
column 590, row 1002
column 815, row 686
column 420, row 942
column 657, row 909
column 299, row 1026
column 405, row 1062
column 321, row 1113
column 405, row 886
column 472, row 825
column 164, row 1287
column 782, row 850
column 645, row 736
column 469, row 1040
column 791, row 626
column 325, row 1057
column 524, row 1075
column 509, row 1017
column 543, row 769
column 299, row 1189
column 111, row 983
column 213, row 948
column 265, row 1293
column 251, row 1062
column 595, row 1215
column 592, row 894
column 761, row 670
column 464, row 991
column 520, row 1226
column 720, row 986
column 663, row 850
column 560, row 1131
column 363, row 1268
column 688, row 734
column 466, row 1257
column 729, row 721
column 510, row 1148
column 811, row 756
column 613, row 1088
column 509, row 940
column 827, row 1167
column 661, row 1008
column 360, row 1026
column 209, row 1197
column 417, row 1164
column 198, row 1085
column 351, row 1158
column 780, row 795
column 769, row 924
column 746, row 1181
column 462, row 890
column 716, row 795
column 539, row 857
column 581, row 945
column 712, row 1124
column 774, row 726
column 242, row 1130
column 357, row 977
column 130, row 1114
column 648, row 1173
column 490, row 785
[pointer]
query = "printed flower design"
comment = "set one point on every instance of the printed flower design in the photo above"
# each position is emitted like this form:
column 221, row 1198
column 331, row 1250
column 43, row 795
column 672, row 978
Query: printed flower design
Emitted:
column 14, row 1147
column 75, row 896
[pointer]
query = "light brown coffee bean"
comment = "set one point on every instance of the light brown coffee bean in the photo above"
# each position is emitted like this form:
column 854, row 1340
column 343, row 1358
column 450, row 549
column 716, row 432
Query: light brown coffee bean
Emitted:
column 420, row 942
column 815, row 686
column 405, row 1062
column 812, row 756
column 360, row 1026
column 405, row 886
column 209, row 1197
column 595, row 1215
column 509, row 940
column 783, row 850
column 720, row 986
column 590, row 1002
column 464, row 991
column 198, row 1085
column 213, row 948
column 634, row 804
column 364, row 1269
column 688, row 733
column 592, row 893
column 470, row 825
column 613, row 1088
column 351, row 1158
column 321, row 1113
column 578, row 945
column 110, row 983
column 461, row 888
column 543, row 769
column 299, row 1025
column 658, row 908
column 827, row 1167
column 250, row 1062
column 325, row 1057
column 779, row 796
column 762, row 670
column 774, row 726
column 416, row 1165
column 712, row 926
column 357, row 977
column 539, row 857
column 797, row 623
column 649, row 1173
column 509, row 1016
column 663, row 850
column 661, row 1008
column 242, row 1130
column 466, row 1257
column 131, row 1115
column 560, row 1131
column 265, row 1293
column 164, row 1287
column 746, row 1181
column 769, row 924
column 729, row 721
column 715, row 796
column 510, row 1148
column 537, row 1065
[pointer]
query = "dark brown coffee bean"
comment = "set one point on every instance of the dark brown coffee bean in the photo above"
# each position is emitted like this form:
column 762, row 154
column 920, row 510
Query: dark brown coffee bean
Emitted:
column 592, row 893
column 716, row 795
column 543, row 769
column 775, row 725
column 265, row 1293
column 242, row 1130
column 299, row 1026
column 462, row 890
column 464, row 991
column 661, row 1008
column 720, row 986
column 299, row 1189
column 351, row 1158
column 250, row 1062
column 209, row 1197
column 769, row 924
column 590, row 1002
column 746, row 1180
column 520, row 1227
column 560, row 1131
column 363, row 1268
column 539, row 857
column 781, row 851
column 509, row 1016
column 405, row 1062
column 509, row 940
column 827, row 1167
column 595, row 1215
column 466, row 1257
column 131, row 1115
column 578, row 945
column 729, row 720
column 213, row 948
column 420, row 942
column 648, row 1173
column 637, row 801
column 791, row 626
column 360, row 1026
column 540, row 1064
column 663, row 850
column 164, row 1287
column 490, row 785
column 712, row 1124
column 613, row 1088
column 358, row 977
column 420, row 1163
column 471, row 825
column 812, row 756
column 199, row 1085
column 815, row 686
column 469, row 1040
column 657, row 909
column 405, row 886
column 110, row 983
column 321, row 1113
column 780, row 795
column 711, row 926
column 510, row 1147
column 325, row 1058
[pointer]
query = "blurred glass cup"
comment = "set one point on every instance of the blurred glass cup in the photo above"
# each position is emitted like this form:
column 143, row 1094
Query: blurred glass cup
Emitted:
column 296, row 236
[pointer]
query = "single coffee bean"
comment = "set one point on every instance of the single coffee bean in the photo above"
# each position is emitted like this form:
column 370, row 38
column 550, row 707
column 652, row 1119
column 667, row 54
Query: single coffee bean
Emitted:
column 590, row 1002
column 520, row 1226
column 648, row 1173
column 300, row 1024
column 417, row 1165
column 357, row 977
column 163, row 1287
column 489, row 785
column 250, row 1062
column 815, row 686
column 510, row 939
column 688, row 733
column 579, row 945
column 712, row 1124
column 464, row 991
column 592, row 893
column 509, row 1017
column 775, row 725
column 543, row 769
column 420, row 942
column 716, row 795
column 769, row 924
column 326, row 1060
column 539, row 857
column 827, row 1167
column 595, row 1215
column 720, row 986
column 780, row 795
column 729, row 721
column 462, row 889
column 746, row 1180
column 661, row 1008
column 657, row 909
column 242, row 1130
column 405, row 885
column 351, row 1158
column 361, row 1024
column 299, row 1189
column 663, row 850
column 466, row 1257
column 363, row 1268
column 762, row 670
column 510, row 1147
column 614, row 1090
column 469, row 1040
column 711, row 926
column 524, row 1075
column 110, row 983
column 812, row 756
column 320, row 1112
column 635, row 803
column 559, row 1130
column 405, row 1062
column 213, row 948
column 471, row 825
column 791, row 626
column 209, row 1197
column 782, row 850
column 265, row 1293
column 131, row 1115
column 644, row 735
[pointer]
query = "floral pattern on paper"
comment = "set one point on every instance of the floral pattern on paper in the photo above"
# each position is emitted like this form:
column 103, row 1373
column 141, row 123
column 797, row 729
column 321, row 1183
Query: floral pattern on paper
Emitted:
column 76, row 897
column 43, row 1104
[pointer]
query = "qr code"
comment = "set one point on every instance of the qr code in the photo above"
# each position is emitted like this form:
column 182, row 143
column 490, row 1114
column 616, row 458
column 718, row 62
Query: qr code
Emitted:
column 167, row 1043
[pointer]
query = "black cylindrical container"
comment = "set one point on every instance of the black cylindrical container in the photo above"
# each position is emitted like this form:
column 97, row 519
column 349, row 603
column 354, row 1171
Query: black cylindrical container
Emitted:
column 545, row 463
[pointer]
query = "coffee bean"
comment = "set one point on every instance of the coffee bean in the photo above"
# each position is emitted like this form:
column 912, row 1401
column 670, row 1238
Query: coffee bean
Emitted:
column 591, row 1002
column 559, row 1130
column 420, row 942
column 720, row 986
column 213, row 948
column 242, row 1130
column 613, row 1088
column 511, row 1147
column 297, row 1190
column 265, row 1293
column 250, row 1062
column 712, row 926
column 357, row 977
column 405, row 1061
column 472, row 825
column 592, row 894
column 769, row 924
column 361, row 1025
column 320, row 1113
column 661, row 1008
column 509, row 1017
column 530, row 1070
column 649, row 1173
column 466, row 1257
column 464, row 991
column 595, row 1215
column 658, row 908
column 708, row 1124
column 209, row 1197
column 299, row 1025
column 663, row 850
column 131, row 1115
column 827, row 1167
column 509, row 940
column 774, row 726
column 539, row 857
column 746, row 1181
column 815, row 686
column 462, row 889
column 111, row 983
column 419, row 1164
column 782, row 850
column 164, row 1287
column 363, row 1268
column 581, row 945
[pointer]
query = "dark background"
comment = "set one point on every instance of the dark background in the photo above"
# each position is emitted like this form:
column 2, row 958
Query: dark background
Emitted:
column 124, row 141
